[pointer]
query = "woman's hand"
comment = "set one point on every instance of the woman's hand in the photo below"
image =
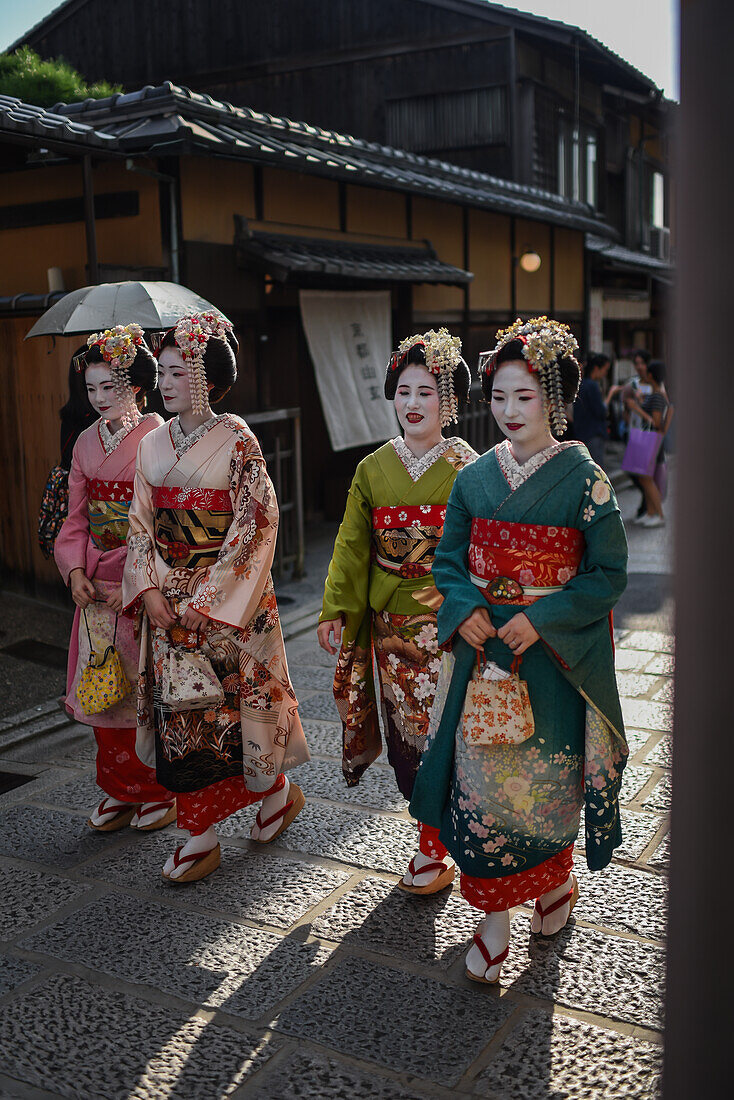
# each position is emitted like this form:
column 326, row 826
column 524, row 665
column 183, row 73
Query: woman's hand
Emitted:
column 114, row 600
column 192, row 620
column 328, row 630
column 82, row 590
column 519, row 633
column 477, row 628
column 159, row 609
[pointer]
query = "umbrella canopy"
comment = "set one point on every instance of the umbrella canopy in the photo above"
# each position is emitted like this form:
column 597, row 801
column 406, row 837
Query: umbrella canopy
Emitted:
column 153, row 305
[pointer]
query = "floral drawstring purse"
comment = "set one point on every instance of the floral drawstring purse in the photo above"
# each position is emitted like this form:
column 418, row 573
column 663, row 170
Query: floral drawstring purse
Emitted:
column 103, row 681
column 497, row 708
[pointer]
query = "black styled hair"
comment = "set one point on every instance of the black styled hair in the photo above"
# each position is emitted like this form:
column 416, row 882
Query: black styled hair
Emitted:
column 595, row 359
column 656, row 369
column 643, row 354
column 512, row 351
column 77, row 409
column 220, row 362
column 417, row 356
column 143, row 371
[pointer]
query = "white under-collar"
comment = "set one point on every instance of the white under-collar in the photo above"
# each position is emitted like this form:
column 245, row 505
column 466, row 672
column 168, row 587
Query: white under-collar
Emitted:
column 417, row 467
column 516, row 473
column 183, row 443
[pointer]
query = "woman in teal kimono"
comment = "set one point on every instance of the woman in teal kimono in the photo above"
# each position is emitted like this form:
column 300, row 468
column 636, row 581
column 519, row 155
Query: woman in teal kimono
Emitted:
column 382, row 559
column 532, row 560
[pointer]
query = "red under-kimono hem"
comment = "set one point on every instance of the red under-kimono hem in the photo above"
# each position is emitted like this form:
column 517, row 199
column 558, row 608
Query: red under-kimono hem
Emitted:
column 495, row 895
column 120, row 772
column 196, row 811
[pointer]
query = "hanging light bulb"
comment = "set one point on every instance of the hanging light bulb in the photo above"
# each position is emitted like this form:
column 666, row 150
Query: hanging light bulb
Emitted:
column 530, row 261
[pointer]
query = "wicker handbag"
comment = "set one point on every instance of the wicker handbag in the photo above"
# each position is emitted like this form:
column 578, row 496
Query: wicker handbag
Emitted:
column 497, row 712
column 103, row 681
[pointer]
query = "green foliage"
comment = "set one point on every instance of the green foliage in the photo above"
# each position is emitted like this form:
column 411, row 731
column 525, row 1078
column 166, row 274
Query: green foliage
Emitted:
column 27, row 76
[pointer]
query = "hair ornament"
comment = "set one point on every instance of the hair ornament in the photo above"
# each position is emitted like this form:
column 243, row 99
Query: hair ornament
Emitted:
column 192, row 335
column 544, row 342
column 443, row 358
column 119, row 347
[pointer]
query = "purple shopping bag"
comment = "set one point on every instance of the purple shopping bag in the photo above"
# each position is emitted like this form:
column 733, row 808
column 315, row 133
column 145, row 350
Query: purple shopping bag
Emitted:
column 642, row 451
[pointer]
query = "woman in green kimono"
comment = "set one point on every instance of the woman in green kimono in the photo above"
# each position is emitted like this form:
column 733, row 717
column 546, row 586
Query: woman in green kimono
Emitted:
column 382, row 558
column 532, row 560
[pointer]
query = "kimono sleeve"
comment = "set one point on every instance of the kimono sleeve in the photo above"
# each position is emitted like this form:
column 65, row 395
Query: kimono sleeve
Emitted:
column 144, row 567
column 566, row 620
column 231, row 590
column 347, row 584
column 70, row 548
column 450, row 569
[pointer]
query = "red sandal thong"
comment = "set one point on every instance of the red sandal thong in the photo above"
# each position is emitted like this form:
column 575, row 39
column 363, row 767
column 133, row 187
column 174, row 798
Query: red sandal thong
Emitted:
column 123, row 816
column 288, row 813
column 202, row 864
column 496, row 961
column 569, row 898
column 440, row 882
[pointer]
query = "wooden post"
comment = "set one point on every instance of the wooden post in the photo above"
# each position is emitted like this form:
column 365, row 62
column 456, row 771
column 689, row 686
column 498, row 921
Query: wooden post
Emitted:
column 700, row 971
column 91, row 229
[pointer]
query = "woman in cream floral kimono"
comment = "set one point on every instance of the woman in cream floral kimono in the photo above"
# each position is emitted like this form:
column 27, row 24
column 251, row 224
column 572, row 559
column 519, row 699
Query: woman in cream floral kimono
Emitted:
column 202, row 536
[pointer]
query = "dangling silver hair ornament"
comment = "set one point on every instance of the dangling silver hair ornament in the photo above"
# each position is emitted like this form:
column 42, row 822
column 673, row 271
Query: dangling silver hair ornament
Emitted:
column 544, row 342
column 443, row 358
column 192, row 334
column 119, row 347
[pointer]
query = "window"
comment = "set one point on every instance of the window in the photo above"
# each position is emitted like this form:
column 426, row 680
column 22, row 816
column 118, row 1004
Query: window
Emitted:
column 451, row 120
column 657, row 201
column 577, row 162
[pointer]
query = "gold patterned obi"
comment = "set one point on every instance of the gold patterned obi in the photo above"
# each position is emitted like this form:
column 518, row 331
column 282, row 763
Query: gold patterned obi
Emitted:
column 190, row 524
column 405, row 537
column 108, row 503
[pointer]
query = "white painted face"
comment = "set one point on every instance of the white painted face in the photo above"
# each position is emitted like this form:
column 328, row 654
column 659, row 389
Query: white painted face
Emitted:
column 416, row 402
column 101, row 391
column 173, row 381
column 517, row 405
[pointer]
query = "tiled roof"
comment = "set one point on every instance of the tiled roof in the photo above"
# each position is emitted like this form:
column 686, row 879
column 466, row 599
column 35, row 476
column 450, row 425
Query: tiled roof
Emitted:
column 172, row 120
column 283, row 255
column 628, row 257
column 24, row 121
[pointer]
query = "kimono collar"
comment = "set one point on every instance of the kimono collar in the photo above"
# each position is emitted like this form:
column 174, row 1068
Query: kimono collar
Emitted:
column 515, row 473
column 416, row 467
column 181, row 442
column 108, row 440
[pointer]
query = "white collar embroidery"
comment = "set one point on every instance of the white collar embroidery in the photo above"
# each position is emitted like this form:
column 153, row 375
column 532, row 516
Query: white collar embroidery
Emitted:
column 181, row 442
column 417, row 467
column 108, row 440
column 515, row 474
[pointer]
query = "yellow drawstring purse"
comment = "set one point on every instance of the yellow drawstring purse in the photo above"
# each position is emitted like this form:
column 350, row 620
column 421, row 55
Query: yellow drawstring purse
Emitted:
column 103, row 681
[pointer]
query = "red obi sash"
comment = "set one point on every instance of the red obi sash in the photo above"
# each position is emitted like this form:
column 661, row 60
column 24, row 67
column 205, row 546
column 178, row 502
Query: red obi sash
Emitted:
column 405, row 537
column 178, row 497
column 521, row 562
column 121, row 491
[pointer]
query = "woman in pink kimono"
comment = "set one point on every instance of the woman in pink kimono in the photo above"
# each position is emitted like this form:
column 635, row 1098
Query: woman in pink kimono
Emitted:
column 90, row 552
column 217, row 714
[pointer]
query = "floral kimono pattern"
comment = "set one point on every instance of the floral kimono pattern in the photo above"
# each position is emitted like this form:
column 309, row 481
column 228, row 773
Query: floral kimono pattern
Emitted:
column 202, row 530
column 380, row 568
column 546, row 539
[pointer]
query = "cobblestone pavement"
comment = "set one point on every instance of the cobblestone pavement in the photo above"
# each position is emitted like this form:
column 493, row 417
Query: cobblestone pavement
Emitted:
column 301, row 970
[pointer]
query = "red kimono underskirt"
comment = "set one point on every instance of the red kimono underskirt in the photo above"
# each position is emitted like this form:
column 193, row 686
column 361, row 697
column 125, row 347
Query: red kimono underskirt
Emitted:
column 120, row 772
column 196, row 811
column 495, row 895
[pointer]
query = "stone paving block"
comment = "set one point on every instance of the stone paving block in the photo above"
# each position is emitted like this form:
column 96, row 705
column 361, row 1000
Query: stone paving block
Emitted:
column 243, row 971
column 324, row 738
column 30, row 896
column 50, row 837
column 36, row 789
column 309, row 1077
column 307, row 651
column 556, row 1056
column 397, row 1005
column 637, row 739
column 661, row 794
column 647, row 715
column 87, row 1043
column 638, row 829
column 666, row 694
column 377, row 787
column 656, row 641
column 361, row 839
column 631, row 660
column 77, row 794
column 662, row 664
column 312, row 678
column 319, row 705
column 255, row 885
column 660, row 858
column 623, row 899
column 588, row 970
column 13, row 972
column 380, row 917
column 662, row 755
column 634, row 778
column 635, row 684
